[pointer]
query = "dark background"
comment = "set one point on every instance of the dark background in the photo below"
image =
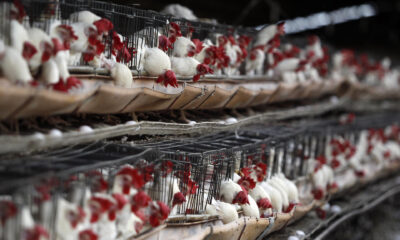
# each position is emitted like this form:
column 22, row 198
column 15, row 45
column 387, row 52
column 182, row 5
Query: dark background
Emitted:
column 379, row 35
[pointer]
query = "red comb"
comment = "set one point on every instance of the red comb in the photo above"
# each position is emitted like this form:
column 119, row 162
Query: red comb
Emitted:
column 178, row 198
column 21, row 11
column 318, row 193
column 87, row 235
column 198, row 44
column 281, row 28
column 7, row 210
column 164, row 209
column 120, row 199
column 165, row 43
column 176, row 30
column 247, row 182
column 36, row 233
column 264, row 203
column 140, row 200
column 103, row 25
column 28, row 50
column 241, row 198
column 117, row 43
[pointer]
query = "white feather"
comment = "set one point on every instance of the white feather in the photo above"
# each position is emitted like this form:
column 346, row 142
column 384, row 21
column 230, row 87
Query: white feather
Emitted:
column 84, row 16
column 266, row 34
column 275, row 196
column 156, row 62
column 14, row 67
column 226, row 211
column 18, row 35
column 122, row 75
column 182, row 45
column 50, row 73
column 251, row 209
column 184, row 66
column 37, row 37
column 228, row 190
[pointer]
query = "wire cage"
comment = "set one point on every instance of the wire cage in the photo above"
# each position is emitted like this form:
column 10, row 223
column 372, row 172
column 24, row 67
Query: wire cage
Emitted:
column 198, row 172
column 38, row 182
column 139, row 29
column 198, row 165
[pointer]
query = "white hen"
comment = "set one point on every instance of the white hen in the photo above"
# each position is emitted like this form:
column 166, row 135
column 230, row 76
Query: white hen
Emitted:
column 251, row 209
column 84, row 17
column 290, row 187
column 14, row 67
column 226, row 211
column 18, row 35
column 276, row 198
column 156, row 62
column 269, row 32
column 68, row 219
column 255, row 64
column 284, row 196
column 229, row 192
column 50, row 73
column 121, row 75
column 183, row 47
column 43, row 45
column 184, row 66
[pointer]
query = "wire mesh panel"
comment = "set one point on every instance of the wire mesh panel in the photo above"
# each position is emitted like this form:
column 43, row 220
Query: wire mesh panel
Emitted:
column 138, row 29
column 197, row 176
column 192, row 168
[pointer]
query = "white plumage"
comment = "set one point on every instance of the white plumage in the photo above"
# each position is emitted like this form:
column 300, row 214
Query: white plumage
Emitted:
column 394, row 149
column 316, row 49
column 63, row 228
column 171, row 189
column 122, row 75
column 18, row 35
column 288, row 64
column 251, row 209
column 266, row 34
column 50, row 73
column 202, row 54
column 232, row 51
column 140, row 51
column 126, row 222
column 226, row 211
column 329, row 176
column 184, row 66
column 277, row 185
column 258, row 193
column 119, row 181
column 391, row 79
column 97, row 62
column 61, row 59
column 228, row 190
column 291, row 188
column 156, row 62
column 84, row 17
column 38, row 38
column 82, row 31
column 255, row 67
column 361, row 151
column 14, row 66
column 105, row 228
column 178, row 10
column 26, row 218
column 182, row 46
column 275, row 196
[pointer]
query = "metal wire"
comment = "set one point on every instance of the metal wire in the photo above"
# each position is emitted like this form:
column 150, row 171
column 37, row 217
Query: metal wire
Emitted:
column 139, row 28
column 284, row 147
